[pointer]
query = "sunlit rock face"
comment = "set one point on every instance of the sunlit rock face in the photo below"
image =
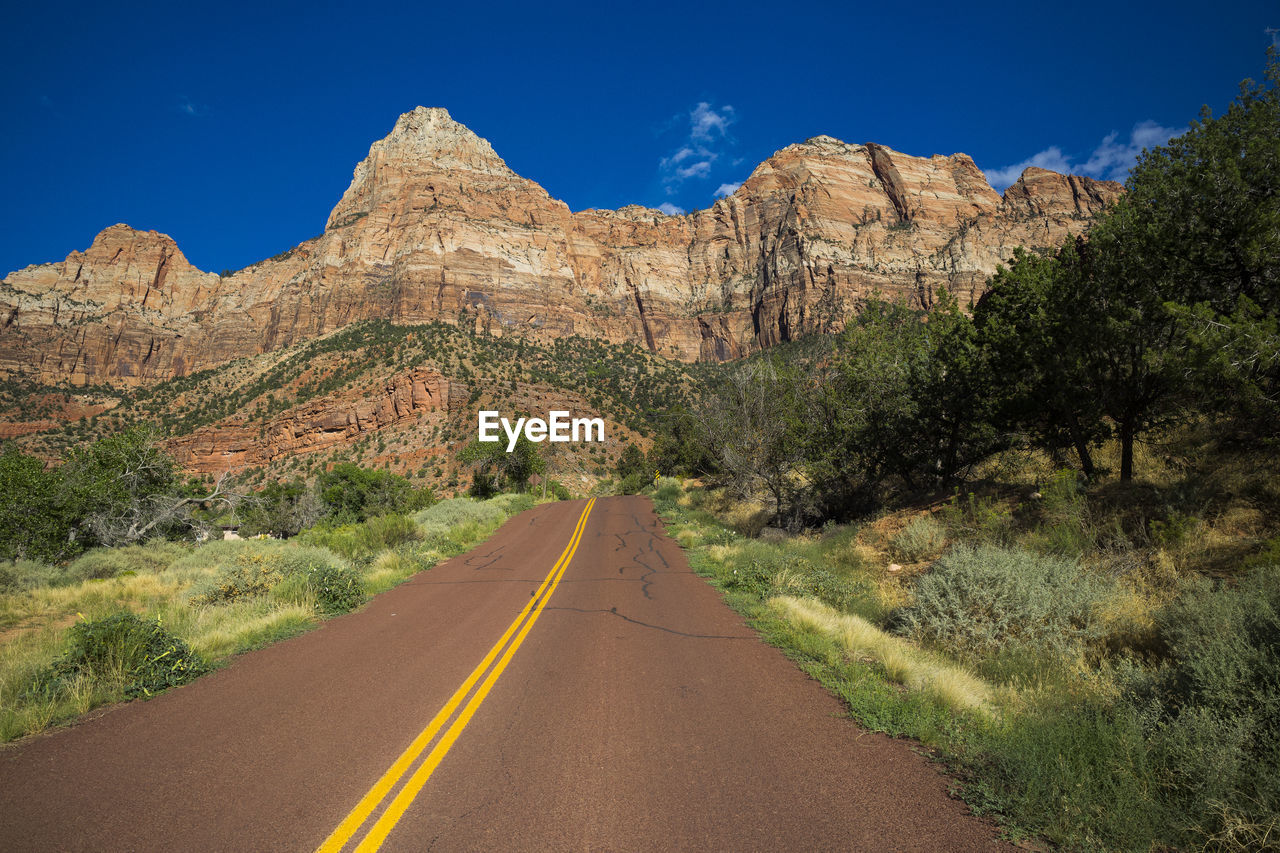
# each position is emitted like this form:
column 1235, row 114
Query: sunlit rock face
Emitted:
column 435, row 226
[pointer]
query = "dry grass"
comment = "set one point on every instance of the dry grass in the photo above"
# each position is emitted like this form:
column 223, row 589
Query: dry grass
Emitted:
column 903, row 663
column 164, row 586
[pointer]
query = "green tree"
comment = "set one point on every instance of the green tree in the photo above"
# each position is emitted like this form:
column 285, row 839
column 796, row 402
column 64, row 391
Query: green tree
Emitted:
column 34, row 521
column 1169, row 305
column 510, row 470
column 748, row 418
column 1202, row 217
column 907, row 399
column 123, row 488
column 1034, row 343
column 353, row 493
column 632, row 461
column 680, row 445
column 282, row 509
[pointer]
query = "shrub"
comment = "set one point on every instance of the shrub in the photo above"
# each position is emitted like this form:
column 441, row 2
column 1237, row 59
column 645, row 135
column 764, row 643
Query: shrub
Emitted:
column 387, row 531
column 668, row 489
column 976, row 518
column 263, row 567
column 29, row 574
column 841, row 592
column 353, row 493
column 252, row 572
column 98, row 564
column 103, row 563
column 1077, row 771
column 11, row 580
column 441, row 523
column 143, row 656
column 977, row 600
column 754, row 576
column 483, row 485
column 796, row 576
column 1213, row 710
column 1067, row 523
column 511, row 504
column 922, row 537
column 337, row 588
column 632, row 483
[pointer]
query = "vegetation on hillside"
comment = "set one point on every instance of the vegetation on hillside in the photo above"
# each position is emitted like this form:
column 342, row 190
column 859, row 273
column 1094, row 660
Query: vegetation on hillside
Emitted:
column 123, row 622
column 1168, row 314
column 629, row 387
column 1043, row 539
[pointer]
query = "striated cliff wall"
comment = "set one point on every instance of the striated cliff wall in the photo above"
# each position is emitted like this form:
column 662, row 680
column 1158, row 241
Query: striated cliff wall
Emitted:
column 435, row 226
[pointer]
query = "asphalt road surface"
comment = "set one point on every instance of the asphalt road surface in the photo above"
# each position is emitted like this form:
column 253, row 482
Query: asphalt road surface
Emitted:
column 567, row 685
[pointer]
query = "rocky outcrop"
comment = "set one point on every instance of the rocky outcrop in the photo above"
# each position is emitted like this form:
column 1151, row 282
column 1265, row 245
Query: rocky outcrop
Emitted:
column 317, row 425
column 435, row 226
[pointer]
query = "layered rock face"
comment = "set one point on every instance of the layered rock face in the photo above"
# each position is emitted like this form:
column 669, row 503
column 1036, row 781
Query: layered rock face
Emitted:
column 420, row 397
column 435, row 226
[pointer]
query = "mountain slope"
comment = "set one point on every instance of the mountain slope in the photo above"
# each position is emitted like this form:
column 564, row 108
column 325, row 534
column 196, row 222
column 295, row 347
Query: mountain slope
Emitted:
column 436, row 228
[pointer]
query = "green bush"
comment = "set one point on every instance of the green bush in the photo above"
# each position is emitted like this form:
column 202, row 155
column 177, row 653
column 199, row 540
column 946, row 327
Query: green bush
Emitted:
column 442, row 519
column 22, row 575
column 511, row 504
column 103, row 563
column 754, row 576
column 978, row 600
column 337, row 588
column 252, row 572
column 11, row 579
column 1074, row 769
column 669, row 489
column 258, row 568
column 361, row 542
column 1066, row 525
column 387, row 531
column 975, row 518
column 1213, row 710
column 631, row 484
column 922, row 537
column 143, row 656
column 353, row 493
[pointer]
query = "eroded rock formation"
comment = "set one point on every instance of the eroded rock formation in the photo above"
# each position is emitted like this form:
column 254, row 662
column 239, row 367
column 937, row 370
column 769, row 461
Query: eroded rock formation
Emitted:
column 435, row 226
column 419, row 397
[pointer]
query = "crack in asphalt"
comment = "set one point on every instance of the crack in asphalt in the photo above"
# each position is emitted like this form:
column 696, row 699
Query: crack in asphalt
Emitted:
column 642, row 624
column 495, row 554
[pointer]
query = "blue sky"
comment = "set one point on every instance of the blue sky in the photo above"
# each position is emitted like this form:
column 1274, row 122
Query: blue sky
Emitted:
column 235, row 129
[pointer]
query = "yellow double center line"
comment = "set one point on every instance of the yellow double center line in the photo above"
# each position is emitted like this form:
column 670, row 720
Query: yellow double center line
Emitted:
column 378, row 793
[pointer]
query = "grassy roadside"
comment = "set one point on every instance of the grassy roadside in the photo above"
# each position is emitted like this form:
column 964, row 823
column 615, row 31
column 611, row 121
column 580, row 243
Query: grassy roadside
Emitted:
column 124, row 622
column 1089, row 708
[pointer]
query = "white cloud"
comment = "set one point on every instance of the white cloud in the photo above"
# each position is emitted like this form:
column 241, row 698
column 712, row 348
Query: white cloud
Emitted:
column 1113, row 160
column 694, row 170
column 706, row 139
column 1051, row 158
column 1110, row 160
column 708, row 124
column 670, row 209
column 727, row 189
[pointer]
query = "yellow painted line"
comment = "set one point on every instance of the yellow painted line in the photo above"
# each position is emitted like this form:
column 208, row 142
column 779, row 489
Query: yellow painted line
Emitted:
column 378, row 833
column 370, row 802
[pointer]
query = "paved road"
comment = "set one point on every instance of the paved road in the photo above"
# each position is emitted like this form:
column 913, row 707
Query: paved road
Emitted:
column 628, row 709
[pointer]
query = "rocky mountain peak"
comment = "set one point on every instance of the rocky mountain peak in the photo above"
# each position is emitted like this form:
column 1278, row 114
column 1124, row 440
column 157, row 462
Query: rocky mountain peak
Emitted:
column 430, row 136
column 425, row 140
